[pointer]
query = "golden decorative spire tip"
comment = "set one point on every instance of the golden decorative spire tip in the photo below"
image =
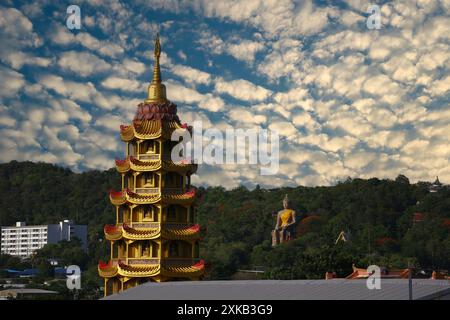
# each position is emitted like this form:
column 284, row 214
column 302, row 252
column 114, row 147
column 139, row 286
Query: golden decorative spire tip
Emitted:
column 156, row 90
column 157, row 46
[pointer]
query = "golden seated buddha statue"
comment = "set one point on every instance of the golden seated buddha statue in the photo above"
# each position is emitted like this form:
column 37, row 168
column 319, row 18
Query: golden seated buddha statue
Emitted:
column 285, row 224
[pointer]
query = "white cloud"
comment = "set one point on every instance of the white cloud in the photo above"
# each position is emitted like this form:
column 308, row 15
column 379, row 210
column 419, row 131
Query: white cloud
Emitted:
column 240, row 49
column 440, row 86
column 15, row 24
column 282, row 60
column 242, row 89
column 83, row 92
column 191, row 75
column 246, row 116
column 82, row 63
column 284, row 128
column 179, row 93
column 389, row 139
column 12, row 82
column 245, row 50
column 380, row 85
column 304, row 119
column 134, row 66
column 272, row 17
column 63, row 36
column 349, row 18
column 111, row 122
column 182, row 55
column 346, row 100
column 123, row 84
column 18, row 59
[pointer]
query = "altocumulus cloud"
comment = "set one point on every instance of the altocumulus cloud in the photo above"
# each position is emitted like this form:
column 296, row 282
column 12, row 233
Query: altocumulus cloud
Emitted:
column 346, row 100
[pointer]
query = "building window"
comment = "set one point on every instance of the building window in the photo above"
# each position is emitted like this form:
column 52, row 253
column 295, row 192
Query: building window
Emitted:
column 154, row 250
column 171, row 213
column 148, row 179
column 148, row 146
column 173, row 250
column 149, row 213
column 145, row 249
column 173, row 180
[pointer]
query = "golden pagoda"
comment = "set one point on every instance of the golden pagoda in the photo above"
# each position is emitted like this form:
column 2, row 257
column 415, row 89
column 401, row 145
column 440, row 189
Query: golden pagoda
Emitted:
column 155, row 237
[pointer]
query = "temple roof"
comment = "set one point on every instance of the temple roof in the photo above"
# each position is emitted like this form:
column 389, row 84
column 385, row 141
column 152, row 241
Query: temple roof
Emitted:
column 109, row 270
column 131, row 163
column 182, row 233
column 149, row 129
column 335, row 289
column 114, row 233
column 122, row 197
column 359, row 273
column 156, row 111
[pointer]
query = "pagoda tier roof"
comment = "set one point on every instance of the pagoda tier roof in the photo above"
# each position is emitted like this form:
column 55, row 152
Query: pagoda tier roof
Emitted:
column 150, row 129
column 112, row 269
column 180, row 232
column 131, row 163
column 359, row 273
column 127, row 196
column 114, row 233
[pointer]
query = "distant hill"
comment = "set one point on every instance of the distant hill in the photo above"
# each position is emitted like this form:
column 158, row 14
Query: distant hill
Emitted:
column 377, row 214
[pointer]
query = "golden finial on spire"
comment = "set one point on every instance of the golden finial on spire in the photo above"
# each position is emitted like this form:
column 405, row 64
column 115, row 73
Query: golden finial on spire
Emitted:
column 157, row 46
column 156, row 90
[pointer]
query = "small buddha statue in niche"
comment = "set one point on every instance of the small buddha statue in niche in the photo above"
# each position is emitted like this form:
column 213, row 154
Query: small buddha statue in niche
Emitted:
column 146, row 250
column 147, row 213
column 285, row 223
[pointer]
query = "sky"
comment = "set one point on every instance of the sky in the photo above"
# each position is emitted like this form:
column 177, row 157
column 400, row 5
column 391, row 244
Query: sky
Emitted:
column 347, row 100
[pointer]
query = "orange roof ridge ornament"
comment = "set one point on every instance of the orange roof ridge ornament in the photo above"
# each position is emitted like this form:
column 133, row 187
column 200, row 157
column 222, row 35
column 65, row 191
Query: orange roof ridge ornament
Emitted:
column 156, row 92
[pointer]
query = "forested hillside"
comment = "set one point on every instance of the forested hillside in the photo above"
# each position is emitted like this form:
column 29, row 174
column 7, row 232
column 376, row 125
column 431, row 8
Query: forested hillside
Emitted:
column 376, row 214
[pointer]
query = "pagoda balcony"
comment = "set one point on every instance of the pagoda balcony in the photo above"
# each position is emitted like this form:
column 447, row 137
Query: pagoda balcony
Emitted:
column 148, row 156
column 178, row 225
column 144, row 225
column 179, row 262
column 167, row 262
column 155, row 225
column 147, row 190
column 140, row 261
column 172, row 190
column 155, row 190
column 134, row 261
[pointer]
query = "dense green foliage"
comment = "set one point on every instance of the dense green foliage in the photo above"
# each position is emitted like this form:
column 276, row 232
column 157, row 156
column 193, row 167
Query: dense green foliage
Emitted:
column 378, row 215
column 41, row 193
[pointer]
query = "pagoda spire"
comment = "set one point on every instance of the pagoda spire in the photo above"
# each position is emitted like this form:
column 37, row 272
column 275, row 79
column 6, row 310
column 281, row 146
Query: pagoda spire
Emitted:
column 156, row 90
column 156, row 68
column 155, row 237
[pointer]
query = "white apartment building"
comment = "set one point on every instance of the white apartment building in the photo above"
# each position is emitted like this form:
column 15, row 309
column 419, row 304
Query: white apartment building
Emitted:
column 22, row 240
